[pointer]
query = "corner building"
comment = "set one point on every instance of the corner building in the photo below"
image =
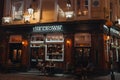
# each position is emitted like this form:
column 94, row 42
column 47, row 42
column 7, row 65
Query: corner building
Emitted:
column 33, row 31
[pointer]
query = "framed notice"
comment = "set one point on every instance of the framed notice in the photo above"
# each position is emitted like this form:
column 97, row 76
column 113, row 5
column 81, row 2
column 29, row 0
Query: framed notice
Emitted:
column 82, row 40
column 17, row 9
column 15, row 39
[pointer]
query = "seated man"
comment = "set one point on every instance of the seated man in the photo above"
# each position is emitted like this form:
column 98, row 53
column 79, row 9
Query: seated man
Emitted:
column 50, row 67
column 40, row 66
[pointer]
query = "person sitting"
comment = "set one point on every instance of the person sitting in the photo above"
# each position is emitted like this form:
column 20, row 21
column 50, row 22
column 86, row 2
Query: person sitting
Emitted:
column 50, row 67
column 40, row 66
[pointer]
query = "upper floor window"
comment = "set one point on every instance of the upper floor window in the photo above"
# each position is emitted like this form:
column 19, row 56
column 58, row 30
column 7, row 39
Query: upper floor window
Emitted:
column 37, row 11
column 65, row 10
column 17, row 9
column 48, row 11
column 82, row 7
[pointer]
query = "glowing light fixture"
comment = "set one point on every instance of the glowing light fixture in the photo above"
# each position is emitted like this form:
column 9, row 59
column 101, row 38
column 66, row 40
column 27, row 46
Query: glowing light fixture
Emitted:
column 119, row 21
column 108, row 37
column 7, row 20
column 68, row 3
column 68, row 43
column 69, row 14
column 24, row 42
column 27, row 19
column 30, row 11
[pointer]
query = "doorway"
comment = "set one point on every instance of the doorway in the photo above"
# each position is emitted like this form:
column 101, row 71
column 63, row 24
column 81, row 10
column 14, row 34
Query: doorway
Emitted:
column 37, row 56
column 80, row 54
column 15, row 53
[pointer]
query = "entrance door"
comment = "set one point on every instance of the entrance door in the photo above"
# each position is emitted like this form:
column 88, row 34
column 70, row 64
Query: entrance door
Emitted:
column 80, row 54
column 15, row 53
column 37, row 49
column 37, row 56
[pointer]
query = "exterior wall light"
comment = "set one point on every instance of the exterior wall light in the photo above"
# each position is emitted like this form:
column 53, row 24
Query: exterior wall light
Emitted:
column 29, row 15
column 119, row 21
column 30, row 11
column 69, row 14
column 27, row 19
column 7, row 20
column 68, row 3
column 24, row 42
column 68, row 43
column 108, row 37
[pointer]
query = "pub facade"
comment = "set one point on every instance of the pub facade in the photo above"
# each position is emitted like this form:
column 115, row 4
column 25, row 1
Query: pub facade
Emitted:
column 39, row 37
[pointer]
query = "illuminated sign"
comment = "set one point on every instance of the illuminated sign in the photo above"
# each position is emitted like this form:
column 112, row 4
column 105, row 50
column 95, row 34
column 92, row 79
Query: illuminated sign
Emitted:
column 112, row 30
column 49, row 28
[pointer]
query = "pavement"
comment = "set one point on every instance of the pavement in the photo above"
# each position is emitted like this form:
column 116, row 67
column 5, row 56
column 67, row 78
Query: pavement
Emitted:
column 39, row 76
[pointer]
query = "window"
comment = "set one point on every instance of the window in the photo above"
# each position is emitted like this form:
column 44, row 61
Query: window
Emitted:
column 82, row 7
column 57, row 10
column 17, row 9
column 50, row 47
column 55, row 47
column 65, row 10
column 48, row 11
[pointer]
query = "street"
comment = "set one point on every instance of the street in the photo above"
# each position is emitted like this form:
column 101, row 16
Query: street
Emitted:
column 25, row 76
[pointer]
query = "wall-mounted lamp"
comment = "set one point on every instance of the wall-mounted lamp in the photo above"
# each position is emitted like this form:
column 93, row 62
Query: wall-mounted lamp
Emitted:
column 68, row 3
column 69, row 14
column 27, row 19
column 68, row 42
column 108, row 37
column 30, row 11
column 24, row 42
column 119, row 21
column 7, row 20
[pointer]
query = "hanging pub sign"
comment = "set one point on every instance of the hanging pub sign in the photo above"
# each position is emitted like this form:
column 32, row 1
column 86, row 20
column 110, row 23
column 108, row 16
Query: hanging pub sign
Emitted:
column 48, row 28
